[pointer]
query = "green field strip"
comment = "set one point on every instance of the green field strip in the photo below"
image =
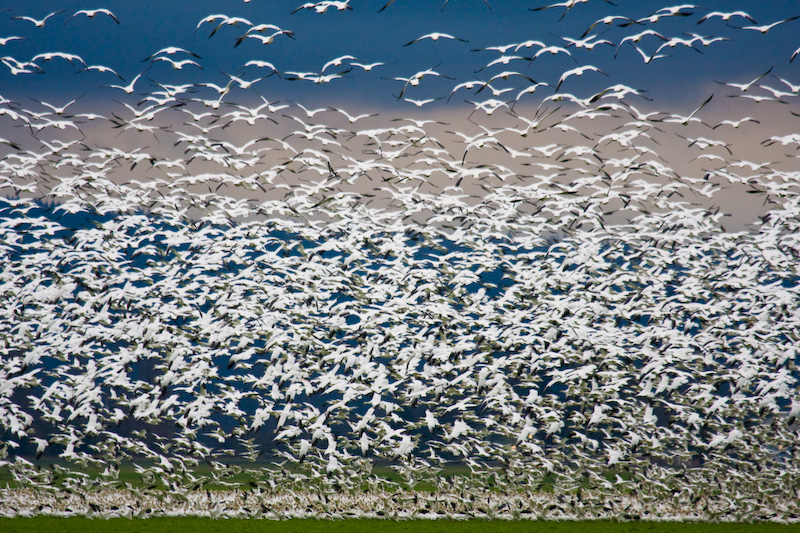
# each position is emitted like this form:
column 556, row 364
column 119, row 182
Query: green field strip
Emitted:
column 205, row 525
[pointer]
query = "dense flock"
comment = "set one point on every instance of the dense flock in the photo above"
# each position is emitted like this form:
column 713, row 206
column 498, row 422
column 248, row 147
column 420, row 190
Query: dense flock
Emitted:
column 527, row 298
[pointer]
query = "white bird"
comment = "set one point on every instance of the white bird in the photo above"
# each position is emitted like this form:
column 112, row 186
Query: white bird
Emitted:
column 337, row 62
column 39, row 23
column 210, row 19
column 765, row 28
column 435, row 36
column 244, row 84
column 777, row 93
column 672, row 11
column 405, row 447
column 420, row 103
column 678, row 41
column 488, row 106
column 706, row 41
column 261, row 28
column 41, row 444
column 222, row 90
column 333, row 464
column 91, row 13
column 502, row 48
column 352, row 119
column 322, row 7
column 430, row 420
column 528, row 90
column 503, row 60
column 305, row 446
column 577, row 71
column 263, row 39
column 690, row 118
column 794, row 88
column 758, row 98
column 178, row 64
column 414, row 80
column 586, row 42
column 465, row 85
column 608, row 21
column 736, row 123
column 366, row 67
column 744, row 87
column 229, row 21
column 726, row 16
column 567, row 5
column 648, row 58
column 505, row 75
column 553, row 50
column 18, row 67
column 637, row 38
column 171, row 50
column 262, row 64
column 49, row 56
column 6, row 40
column 58, row 110
column 311, row 112
column 128, row 89
column 316, row 77
column 102, row 69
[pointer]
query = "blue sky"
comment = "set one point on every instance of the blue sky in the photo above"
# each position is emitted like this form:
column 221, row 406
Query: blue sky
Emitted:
column 371, row 36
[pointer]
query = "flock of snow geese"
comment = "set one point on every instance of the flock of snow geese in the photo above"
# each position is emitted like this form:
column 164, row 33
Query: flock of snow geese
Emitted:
column 541, row 303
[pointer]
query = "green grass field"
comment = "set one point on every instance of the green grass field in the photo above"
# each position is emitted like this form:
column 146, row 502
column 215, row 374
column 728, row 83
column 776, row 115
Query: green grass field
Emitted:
column 202, row 525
